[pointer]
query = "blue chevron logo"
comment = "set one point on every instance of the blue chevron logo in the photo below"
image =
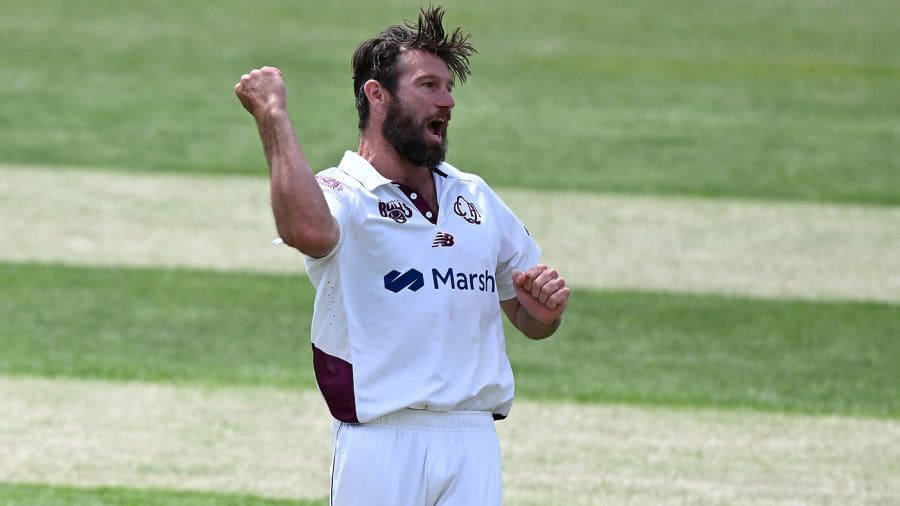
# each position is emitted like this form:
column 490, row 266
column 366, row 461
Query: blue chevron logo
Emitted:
column 412, row 279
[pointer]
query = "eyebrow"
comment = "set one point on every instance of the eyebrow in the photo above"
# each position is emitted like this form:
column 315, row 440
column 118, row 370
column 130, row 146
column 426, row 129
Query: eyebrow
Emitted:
column 422, row 77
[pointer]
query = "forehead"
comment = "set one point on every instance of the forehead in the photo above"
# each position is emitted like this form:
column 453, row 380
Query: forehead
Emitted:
column 416, row 63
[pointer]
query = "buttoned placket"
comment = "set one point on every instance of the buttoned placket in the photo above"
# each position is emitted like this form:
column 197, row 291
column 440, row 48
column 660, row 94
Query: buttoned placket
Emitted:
column 420, row 203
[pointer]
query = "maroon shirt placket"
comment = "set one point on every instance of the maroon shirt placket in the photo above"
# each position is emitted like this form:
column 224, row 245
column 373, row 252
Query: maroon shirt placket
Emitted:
column 420, row 203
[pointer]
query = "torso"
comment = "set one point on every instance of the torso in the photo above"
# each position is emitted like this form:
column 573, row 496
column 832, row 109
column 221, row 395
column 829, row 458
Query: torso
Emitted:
column 408, row 303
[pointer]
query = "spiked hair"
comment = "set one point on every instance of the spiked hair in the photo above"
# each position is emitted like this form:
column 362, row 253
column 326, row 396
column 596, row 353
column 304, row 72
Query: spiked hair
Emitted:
column 378, row 58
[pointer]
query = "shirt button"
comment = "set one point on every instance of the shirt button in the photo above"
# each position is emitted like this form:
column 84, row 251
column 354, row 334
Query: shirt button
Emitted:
column 413, row 196
column 428, row 215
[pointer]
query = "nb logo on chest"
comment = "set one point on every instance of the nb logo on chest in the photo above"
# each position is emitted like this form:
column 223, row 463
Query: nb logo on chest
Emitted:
column 442, row 239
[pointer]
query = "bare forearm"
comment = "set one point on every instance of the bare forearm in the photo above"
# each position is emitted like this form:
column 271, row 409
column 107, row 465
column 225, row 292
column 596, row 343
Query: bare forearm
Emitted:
column 533, row 328
column 301, row 214
column 526, row 323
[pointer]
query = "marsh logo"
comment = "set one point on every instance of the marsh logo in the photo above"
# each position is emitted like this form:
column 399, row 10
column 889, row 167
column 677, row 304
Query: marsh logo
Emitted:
column 454, row 280
column 412, row 279
column 395, row 210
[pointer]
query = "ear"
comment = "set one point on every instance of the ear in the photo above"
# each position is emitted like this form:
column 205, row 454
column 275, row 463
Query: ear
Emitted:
column 377, row 94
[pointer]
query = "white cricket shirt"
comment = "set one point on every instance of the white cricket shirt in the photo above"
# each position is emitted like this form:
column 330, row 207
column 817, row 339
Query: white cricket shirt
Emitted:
column 407, row 308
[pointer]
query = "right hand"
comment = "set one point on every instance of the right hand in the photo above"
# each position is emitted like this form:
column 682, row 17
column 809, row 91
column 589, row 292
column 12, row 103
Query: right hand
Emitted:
column 261, row 90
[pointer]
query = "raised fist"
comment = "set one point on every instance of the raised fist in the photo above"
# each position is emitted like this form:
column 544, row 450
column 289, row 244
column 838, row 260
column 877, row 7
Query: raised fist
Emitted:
column 262, row 90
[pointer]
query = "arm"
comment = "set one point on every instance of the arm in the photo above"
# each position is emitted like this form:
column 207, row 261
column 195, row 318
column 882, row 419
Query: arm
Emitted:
column 301, row 214
column 541, row 298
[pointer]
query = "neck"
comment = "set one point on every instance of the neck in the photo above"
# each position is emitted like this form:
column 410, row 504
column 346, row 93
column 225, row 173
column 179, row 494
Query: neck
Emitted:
column 381, row 155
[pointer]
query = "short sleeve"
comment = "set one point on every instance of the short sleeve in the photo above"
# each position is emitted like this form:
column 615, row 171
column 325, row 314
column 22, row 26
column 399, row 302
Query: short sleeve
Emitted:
column 337, row 198
column 518, row 251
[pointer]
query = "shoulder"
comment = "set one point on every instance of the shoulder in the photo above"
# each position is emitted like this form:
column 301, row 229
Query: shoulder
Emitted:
column 331, row 179
column 476, row 184
column 341, row 192
column 337, row 181
column 466, row 177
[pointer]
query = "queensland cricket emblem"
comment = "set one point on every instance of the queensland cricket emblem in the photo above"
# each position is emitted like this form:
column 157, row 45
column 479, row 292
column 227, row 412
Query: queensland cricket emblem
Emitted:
column 395, row 210
column 467, row 210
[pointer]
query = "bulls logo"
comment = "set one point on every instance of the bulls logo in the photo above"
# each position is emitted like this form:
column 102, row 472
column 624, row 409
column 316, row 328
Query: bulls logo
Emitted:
column 467, row 210
column 395, row 210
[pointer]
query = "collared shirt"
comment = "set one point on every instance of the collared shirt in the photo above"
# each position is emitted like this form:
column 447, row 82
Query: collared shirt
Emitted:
column 407, row 308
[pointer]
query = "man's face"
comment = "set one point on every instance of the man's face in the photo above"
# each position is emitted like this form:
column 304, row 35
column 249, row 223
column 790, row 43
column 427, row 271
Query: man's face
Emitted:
column 417, row 117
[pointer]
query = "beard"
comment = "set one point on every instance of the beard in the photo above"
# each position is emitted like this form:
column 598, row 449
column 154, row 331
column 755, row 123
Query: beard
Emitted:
column 405, row 135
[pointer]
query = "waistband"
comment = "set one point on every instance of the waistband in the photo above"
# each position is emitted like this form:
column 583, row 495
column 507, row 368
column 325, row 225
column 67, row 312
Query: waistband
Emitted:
column 444, row 420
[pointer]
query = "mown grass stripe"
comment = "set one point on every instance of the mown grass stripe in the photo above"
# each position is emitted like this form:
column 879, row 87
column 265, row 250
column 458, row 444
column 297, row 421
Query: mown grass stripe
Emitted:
column 204, row 327
column 269, row 442
column 762, row 249
column 765, row 249
column 258, row 441
column 29, row 494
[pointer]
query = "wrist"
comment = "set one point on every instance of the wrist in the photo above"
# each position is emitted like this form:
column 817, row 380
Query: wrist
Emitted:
column 536, row 328
column 272, row 112
column 554, row 324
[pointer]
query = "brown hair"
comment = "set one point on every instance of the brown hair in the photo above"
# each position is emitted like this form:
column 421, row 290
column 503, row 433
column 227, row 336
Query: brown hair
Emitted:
column 378, row 58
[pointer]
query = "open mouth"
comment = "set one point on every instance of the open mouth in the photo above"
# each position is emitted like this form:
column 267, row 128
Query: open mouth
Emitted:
column 438, row 129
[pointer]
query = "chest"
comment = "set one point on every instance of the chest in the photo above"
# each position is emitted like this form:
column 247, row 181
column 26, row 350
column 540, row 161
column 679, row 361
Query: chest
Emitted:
column 402, row 228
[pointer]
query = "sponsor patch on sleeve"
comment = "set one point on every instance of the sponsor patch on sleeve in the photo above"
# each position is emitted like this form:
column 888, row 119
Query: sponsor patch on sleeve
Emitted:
column 330, row 182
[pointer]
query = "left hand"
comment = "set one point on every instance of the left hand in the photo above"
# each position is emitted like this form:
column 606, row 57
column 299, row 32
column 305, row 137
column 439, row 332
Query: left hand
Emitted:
column 542, row 292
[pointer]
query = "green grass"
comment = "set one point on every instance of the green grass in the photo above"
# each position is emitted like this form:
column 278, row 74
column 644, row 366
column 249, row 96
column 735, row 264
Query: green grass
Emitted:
column 153, row 325
column 691, row 350
column 702, row 97
column 666, row 349
column 48, row 495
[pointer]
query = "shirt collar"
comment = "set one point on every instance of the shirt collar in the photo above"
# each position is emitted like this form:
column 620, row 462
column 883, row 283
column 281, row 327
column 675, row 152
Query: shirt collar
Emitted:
column 360, row 169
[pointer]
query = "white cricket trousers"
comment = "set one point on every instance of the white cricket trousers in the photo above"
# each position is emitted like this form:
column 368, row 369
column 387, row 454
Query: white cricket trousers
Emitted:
column 417, row 458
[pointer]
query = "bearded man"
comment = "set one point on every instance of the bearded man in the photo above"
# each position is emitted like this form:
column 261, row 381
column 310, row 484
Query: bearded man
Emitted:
column 413, row 261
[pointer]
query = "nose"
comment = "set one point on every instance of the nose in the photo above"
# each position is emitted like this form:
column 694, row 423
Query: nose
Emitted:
column 446, row 100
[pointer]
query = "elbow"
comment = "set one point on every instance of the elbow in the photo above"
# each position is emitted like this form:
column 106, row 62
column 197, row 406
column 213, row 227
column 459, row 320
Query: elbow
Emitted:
column 312, row 242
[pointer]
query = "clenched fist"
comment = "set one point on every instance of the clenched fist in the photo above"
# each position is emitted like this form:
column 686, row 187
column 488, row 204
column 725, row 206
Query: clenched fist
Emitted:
column 261, row 91
column 542, row 292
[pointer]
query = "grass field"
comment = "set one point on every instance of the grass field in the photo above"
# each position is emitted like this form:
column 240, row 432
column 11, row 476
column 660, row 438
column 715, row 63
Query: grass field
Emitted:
column 725, row 198
column 210, row 328
column 25, row 495
column 749, row 99
column 245, row 440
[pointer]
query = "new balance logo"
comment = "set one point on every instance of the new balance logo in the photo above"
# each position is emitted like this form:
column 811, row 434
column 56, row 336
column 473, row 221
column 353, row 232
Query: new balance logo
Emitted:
column 442, row 239
column 412, row 279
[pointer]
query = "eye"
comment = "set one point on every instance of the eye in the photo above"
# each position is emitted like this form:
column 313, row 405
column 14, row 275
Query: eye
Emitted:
column 428, row 84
